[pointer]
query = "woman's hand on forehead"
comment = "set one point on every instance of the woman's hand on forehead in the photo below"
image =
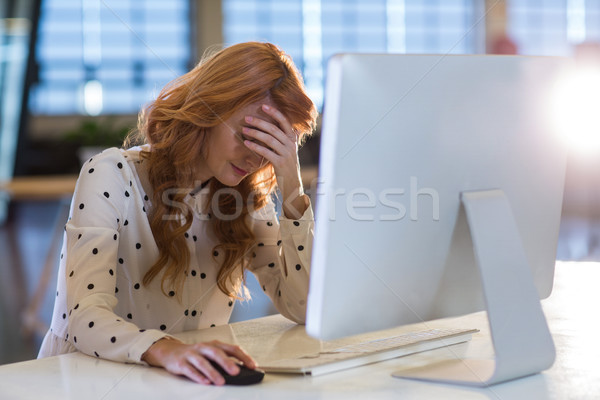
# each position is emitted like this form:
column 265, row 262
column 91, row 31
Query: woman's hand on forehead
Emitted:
column 277, row 142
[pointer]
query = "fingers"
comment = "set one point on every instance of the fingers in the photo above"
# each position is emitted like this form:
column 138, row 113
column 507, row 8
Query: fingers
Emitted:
column 212, row 351
column 237, row 352
column 203, row 367
column 266, row 153
column 281, row 119
column 284, row 132
column 192, row 372
column 190, row 366
column 269, row 141
column 193, row 361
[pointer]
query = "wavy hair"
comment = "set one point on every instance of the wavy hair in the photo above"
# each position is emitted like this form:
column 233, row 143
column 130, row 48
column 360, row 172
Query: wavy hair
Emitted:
column 177, row 124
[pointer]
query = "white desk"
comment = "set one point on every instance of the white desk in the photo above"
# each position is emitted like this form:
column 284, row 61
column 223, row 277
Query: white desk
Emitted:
column 571, row 311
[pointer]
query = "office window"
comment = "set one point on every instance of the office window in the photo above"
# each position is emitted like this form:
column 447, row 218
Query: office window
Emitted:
column 313, row 30
column 592, row 21
column 538, row 27
column 108, row 56
column 552, row 27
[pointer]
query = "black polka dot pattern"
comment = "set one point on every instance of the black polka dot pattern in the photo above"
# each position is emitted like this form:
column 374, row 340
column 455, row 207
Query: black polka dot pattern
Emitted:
column 122, row 249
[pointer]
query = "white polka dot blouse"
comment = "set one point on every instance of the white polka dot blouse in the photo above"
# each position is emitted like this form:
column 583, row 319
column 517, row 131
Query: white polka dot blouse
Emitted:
column 103, row 309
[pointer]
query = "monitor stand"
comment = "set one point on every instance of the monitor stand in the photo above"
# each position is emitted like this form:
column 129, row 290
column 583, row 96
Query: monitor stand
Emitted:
column 520, row 336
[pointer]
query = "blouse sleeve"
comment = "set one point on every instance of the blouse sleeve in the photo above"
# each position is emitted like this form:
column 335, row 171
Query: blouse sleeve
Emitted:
column 98, row 209
column 281, row 260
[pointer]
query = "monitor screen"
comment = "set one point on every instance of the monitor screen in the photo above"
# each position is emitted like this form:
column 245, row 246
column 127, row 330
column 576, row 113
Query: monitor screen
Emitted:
column 403, row 136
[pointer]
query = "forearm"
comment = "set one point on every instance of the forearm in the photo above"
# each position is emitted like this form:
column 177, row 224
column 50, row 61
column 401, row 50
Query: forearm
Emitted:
column 282, row 263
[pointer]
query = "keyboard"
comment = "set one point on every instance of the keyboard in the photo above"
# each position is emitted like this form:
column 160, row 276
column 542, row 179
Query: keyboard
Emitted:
column 362, row 353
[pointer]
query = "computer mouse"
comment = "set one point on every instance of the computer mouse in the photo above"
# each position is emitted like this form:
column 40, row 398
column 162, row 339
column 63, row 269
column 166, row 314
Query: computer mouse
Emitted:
column 246, row 376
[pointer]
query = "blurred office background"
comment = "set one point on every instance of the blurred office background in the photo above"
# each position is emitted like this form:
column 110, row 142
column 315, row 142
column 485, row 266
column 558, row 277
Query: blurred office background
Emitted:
column 75, row 73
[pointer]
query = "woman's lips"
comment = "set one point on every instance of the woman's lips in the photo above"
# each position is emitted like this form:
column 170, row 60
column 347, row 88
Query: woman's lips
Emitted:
column 239, row 171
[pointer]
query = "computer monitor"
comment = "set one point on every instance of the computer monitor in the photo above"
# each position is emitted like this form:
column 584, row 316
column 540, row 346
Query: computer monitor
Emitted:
column 439, row 194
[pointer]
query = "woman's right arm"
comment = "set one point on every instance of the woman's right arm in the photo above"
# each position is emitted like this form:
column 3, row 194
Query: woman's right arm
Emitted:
column 100, row 205
column 98, row 211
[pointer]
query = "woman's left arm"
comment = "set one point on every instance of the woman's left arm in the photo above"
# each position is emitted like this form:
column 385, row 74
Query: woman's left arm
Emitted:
column 281, row 262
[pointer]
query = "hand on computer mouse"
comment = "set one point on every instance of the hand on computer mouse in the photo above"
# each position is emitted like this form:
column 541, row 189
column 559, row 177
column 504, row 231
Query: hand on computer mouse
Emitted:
column 196, row 361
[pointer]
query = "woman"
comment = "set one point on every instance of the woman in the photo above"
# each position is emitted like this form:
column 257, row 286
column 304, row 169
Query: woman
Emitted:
column 159, row 235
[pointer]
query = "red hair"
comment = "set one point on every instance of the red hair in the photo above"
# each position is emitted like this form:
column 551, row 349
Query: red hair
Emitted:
column 176, row 126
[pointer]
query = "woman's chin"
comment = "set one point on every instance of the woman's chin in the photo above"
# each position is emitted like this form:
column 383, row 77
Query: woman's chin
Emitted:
column 231, row 181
